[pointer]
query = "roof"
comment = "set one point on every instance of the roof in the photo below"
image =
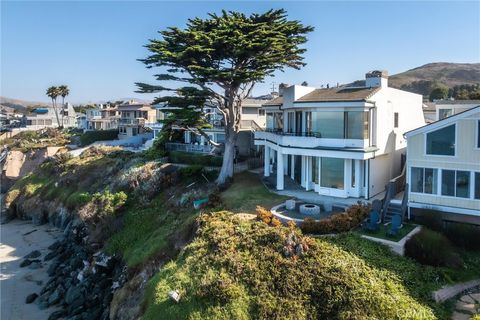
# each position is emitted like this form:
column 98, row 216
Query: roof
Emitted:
column 253, row 102
column 440, row 123
column 137, row 107
column 278, row 101
column 429, row 106
column 477, row 102
column 339, row 94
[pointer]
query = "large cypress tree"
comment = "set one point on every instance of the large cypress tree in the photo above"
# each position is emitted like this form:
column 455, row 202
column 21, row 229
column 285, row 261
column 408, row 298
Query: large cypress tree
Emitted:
column 220, row 59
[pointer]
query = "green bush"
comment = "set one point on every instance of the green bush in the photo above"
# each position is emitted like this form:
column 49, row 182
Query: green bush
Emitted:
column 432, row 248
column 100, row 135
column 463, row 235
column 195, row 158
column 77, row 199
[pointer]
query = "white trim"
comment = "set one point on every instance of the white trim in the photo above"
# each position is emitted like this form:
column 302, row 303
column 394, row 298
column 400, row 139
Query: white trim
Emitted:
column 441, row 123
column 477, row 135
column 442, row 208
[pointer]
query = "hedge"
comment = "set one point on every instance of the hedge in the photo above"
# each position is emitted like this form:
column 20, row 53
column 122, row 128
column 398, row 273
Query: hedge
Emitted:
column 195, row 158
column 100, row 135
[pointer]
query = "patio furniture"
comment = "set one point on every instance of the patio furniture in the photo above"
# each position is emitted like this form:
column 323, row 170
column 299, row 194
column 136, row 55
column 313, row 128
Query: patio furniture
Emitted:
column 395, row 226
column 372, row 222
column 290, row 204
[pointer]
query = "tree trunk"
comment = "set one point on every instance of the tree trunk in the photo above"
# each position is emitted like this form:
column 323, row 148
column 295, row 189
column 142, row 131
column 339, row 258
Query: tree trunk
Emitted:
column 56, row 112
column 226, row 172
column 63, row 110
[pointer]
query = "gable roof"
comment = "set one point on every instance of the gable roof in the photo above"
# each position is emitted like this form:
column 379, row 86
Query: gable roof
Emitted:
column 339, row 94
column 445, row 102
column 438, row 124
column 278, row 101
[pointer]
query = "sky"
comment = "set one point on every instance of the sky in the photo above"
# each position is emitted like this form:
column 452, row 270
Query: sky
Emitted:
column 93, row 46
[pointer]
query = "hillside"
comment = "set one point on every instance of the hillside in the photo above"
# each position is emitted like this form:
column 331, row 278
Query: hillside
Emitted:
column 422, row 79
column 19, row 105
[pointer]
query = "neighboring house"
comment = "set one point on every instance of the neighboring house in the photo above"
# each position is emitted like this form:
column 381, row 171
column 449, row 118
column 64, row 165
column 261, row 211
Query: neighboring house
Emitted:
column 45, row 117
column 447, row 108
column 429, row 112
column 104, row 117
column 133, row 117
column 443, row 167
column 252, row 119
column 341, row 142
column 82, row 121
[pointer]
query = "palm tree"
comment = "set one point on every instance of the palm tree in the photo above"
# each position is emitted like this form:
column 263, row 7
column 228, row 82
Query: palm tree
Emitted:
column 53, row 93
column 64, row 91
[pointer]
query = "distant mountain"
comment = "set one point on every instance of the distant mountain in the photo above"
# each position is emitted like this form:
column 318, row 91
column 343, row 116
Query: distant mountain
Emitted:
column 19, row 105
column 422, row 79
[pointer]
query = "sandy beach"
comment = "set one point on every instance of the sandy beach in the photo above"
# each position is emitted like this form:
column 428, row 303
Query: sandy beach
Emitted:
column 17, row 239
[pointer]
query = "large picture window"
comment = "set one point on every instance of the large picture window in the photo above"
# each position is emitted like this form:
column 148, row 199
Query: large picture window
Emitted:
column 315, row 169
column 423, row 180
column 357, row 125
column 328, row 124
column 456, row 183
column 442, row 141
column 332, row 173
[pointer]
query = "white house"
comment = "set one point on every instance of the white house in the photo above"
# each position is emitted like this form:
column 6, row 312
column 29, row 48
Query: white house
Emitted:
column 447, row 108
column 104, row 117
column 45, row 117
column 443, row 167
column 341, row 142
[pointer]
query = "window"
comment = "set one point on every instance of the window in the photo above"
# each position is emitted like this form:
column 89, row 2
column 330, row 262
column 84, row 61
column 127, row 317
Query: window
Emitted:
column 444, row 113
column 332, row 173
column 291, row 122
column 328, row 124
column 477, row 185
column 423, row 180
column 356, row 125
column 261, row 112
column 395, row 120
column 478, row 134
column 269, row 120
column 456, row 183
column 441, row 141
column 220, row 137
column 278, row 120
column 315, row 170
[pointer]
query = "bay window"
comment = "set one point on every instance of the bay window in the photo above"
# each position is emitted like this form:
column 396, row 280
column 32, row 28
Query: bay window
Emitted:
column 441, row 141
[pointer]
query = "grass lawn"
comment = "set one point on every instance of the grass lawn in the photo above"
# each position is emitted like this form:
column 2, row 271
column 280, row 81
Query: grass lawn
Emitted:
column 246, row 192
column 383, row 229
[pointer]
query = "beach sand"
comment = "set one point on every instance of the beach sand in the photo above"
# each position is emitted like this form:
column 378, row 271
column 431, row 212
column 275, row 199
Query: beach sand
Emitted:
column 16, row 241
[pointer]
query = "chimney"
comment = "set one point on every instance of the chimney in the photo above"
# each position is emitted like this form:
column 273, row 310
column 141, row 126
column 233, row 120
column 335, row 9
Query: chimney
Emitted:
column 376, row 78
column 281, row 88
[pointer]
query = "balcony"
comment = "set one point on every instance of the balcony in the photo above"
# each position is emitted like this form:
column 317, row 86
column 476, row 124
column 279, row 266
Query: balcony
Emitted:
column 171, row 146
column 306, row 140
column 132, row 121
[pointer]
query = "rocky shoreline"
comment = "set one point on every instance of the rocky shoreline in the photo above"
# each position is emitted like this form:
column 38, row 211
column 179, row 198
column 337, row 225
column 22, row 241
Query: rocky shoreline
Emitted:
column 82, row 279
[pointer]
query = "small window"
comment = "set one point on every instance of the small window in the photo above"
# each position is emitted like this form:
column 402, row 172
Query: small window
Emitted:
column 395, row 120
column 423, row 180
column 444, row 113
column 477, row 185
column 478, row 134
column 261, row 112
column 441, row 141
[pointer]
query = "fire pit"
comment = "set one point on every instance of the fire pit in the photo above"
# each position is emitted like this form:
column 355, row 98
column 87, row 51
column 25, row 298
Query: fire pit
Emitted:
column 309, row 209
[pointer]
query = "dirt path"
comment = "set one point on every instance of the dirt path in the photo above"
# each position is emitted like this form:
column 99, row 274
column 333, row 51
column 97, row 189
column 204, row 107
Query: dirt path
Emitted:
column 17, row 239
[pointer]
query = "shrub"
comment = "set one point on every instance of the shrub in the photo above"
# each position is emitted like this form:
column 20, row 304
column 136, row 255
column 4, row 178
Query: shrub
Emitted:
column 463, row 235
column 77, row 199
column 337, row 222
column 264, row 215
column 100, row 135
column 103, row 205
column 195, row 158
column 432, row 248
column 191, row 171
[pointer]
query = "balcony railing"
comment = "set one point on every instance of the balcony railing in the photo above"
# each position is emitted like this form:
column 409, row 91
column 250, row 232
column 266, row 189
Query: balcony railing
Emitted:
column 130, row 121
column 171, row 146
column 294, row 134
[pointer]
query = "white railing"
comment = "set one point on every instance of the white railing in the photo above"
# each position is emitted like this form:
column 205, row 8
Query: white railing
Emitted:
column 171, row 146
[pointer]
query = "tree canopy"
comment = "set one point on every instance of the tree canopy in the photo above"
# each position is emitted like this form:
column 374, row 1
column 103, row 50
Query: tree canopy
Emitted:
column 219, row 60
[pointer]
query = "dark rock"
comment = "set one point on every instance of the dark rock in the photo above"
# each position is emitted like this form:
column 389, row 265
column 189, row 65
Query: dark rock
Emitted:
column 35, row 265
column 57, row 315
column 33, row 254
column 42, row 302
column 50, row 256
column 74, row 294
column 56, row 296
column 31, row 297
column 52, row 269
column 25, row 263
column 55, row 245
